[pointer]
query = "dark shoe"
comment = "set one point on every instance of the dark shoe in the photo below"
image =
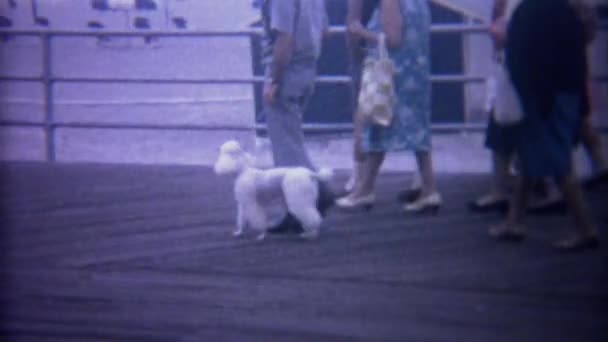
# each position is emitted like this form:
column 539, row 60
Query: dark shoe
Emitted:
column 499, row 205
column 549, row 208
column 577, row 244
column 288, row 225
column 408, row 196
column 596, row 180
column 508, row 233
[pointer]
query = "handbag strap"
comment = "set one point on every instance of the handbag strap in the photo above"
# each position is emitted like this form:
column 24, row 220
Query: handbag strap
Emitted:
column 296, row 20
column 382, row 50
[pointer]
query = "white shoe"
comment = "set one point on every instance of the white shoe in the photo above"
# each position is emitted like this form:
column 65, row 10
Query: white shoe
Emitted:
column 428, row 203
column 350, row 202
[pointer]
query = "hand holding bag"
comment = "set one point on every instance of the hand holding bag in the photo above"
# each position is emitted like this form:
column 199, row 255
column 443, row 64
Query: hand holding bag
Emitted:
column 377, row 95
column 507, row 109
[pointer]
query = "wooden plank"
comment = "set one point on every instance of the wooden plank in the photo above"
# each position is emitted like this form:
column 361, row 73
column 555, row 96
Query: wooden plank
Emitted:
column 106, row 252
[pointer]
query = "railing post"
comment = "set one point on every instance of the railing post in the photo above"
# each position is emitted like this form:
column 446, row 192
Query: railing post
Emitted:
column 47, row 82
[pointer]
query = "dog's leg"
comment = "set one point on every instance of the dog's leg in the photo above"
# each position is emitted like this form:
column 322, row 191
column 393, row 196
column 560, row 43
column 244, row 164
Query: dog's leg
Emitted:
column 310, row 219
column 257, row 219
column 261, row 236
column 301, row 194
column 240, row 221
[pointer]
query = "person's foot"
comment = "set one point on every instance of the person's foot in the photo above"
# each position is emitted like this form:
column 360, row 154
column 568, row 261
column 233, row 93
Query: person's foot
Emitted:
column 350, row 183
column 508, row 232
column 601, row 177
column 289, row 224
column 577, row 244
column 552, row 203
column 490, row 203
column 430, row 203
column 353, row 201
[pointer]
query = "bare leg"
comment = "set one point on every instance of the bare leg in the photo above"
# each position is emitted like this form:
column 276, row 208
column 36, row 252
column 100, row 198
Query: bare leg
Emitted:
column 501, row 163
column 513, row 228
column 551, row 196
column 574, row 198
column 519, row 202
column 358, row 156
column 369, row 172
column 425, row 167
column 428, row 199
column 593, row 146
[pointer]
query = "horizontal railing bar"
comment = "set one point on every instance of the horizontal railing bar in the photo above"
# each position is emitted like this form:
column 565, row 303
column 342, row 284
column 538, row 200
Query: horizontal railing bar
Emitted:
column 21, row 123
column 244, row 80
column 338, row 29
column 21, row 78
column 137, row 102
column 441, row 28
column 310, row 127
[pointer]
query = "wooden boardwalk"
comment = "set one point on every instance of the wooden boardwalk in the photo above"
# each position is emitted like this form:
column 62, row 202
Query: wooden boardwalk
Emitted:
column 130, row 253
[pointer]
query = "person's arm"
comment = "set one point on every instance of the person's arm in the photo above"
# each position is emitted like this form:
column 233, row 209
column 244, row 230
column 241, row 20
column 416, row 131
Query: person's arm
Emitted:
column 281, row 55
column 498, row 26
column 588, row 17
column 283, row 16
column 392, row 25
column 499, row 8
column 354, row 15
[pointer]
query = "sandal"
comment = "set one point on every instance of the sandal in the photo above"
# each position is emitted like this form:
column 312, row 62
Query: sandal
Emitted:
column 577, row 244
column 488, row 204
column 506, row 232
column 596, row 180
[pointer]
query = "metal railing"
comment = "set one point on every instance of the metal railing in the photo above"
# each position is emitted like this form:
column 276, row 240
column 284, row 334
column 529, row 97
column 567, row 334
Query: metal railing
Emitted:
column 48, row 79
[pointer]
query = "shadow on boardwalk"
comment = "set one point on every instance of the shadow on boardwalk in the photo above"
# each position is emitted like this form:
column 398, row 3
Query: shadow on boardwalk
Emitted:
column 102, row 252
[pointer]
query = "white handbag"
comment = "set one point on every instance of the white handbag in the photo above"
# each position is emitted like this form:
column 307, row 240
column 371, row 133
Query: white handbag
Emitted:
column 377, row 94
column 507, row 108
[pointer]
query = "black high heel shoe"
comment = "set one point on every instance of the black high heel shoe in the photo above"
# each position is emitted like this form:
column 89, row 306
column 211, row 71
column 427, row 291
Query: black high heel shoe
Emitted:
column 577, row 244
column 501, row 205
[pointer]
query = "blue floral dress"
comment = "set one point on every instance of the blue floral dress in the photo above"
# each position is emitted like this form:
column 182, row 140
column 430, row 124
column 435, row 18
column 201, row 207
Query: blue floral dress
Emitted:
column 410, row 128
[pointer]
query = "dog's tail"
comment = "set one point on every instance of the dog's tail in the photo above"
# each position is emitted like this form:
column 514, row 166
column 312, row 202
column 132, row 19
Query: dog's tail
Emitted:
column 324, row 174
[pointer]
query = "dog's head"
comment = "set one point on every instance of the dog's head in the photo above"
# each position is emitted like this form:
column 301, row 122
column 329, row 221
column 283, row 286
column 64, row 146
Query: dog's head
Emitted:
column 232, row 158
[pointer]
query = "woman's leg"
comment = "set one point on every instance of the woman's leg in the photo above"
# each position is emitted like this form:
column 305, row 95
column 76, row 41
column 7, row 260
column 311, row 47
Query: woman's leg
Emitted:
column 501, row 170
column 363, row 193
column 593, row 145
column 574, row 198
column 427, row 173
column 513, row 228
column 586, row 236
column 501, row 165
column 519, row 202
column 369, row 170
column 359, row 157
column 429, row 197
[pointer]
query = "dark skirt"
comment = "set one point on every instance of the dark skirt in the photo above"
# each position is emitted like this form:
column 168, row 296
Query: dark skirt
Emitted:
column 502, row 139
column 548, row 138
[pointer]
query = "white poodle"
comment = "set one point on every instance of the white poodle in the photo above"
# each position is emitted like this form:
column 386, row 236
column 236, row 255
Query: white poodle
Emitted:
column 254, row 188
